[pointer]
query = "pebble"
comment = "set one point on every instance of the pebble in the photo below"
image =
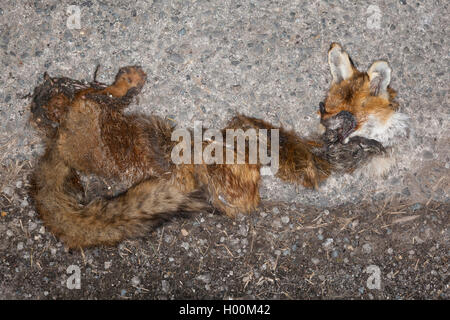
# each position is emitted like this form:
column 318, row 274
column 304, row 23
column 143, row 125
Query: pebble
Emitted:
column 275, row 210
column 135, row 281
column 315, row 261
column 24, row 203
column 285, row 219
column 276, row 223
column 328, row 243
column 67, row 35
column 8, row 191
column 185, row 245
column 334, row 253
column 165, row 286
column 243, row 230
column 108, row 264
column 206, row 278
column 427, row 155
column 168, row 238
column 175, row 57
column 20, row 246
column 354, row 223
column 31, row 226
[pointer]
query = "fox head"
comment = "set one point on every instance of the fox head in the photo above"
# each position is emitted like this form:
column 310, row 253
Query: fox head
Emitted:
column 365, row 96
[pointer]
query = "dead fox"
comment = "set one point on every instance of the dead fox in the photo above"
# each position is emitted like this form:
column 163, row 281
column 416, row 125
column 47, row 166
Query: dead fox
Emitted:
column 88, row 134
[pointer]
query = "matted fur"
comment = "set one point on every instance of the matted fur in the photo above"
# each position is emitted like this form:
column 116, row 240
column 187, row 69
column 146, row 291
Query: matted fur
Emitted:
column 88, row 133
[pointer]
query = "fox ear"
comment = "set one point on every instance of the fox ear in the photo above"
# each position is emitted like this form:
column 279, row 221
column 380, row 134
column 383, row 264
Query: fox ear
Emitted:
column 341, row 66
column 380, row 77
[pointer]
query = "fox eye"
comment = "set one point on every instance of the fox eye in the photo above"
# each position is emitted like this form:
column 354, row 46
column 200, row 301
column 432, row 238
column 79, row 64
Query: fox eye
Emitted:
column 322, row 108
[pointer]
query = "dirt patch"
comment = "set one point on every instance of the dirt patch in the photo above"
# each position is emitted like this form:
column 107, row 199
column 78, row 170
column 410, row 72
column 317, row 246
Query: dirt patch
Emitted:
column 381, row 250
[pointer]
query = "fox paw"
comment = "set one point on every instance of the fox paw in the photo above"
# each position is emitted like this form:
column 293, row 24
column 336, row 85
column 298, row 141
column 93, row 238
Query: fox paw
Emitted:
column 370, row 145
column 131, row 77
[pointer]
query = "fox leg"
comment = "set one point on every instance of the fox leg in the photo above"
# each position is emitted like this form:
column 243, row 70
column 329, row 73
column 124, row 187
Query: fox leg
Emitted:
column 52, row 99
column 129, row 81
column 353, row 154
column 298, row 163
column 232, row 188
